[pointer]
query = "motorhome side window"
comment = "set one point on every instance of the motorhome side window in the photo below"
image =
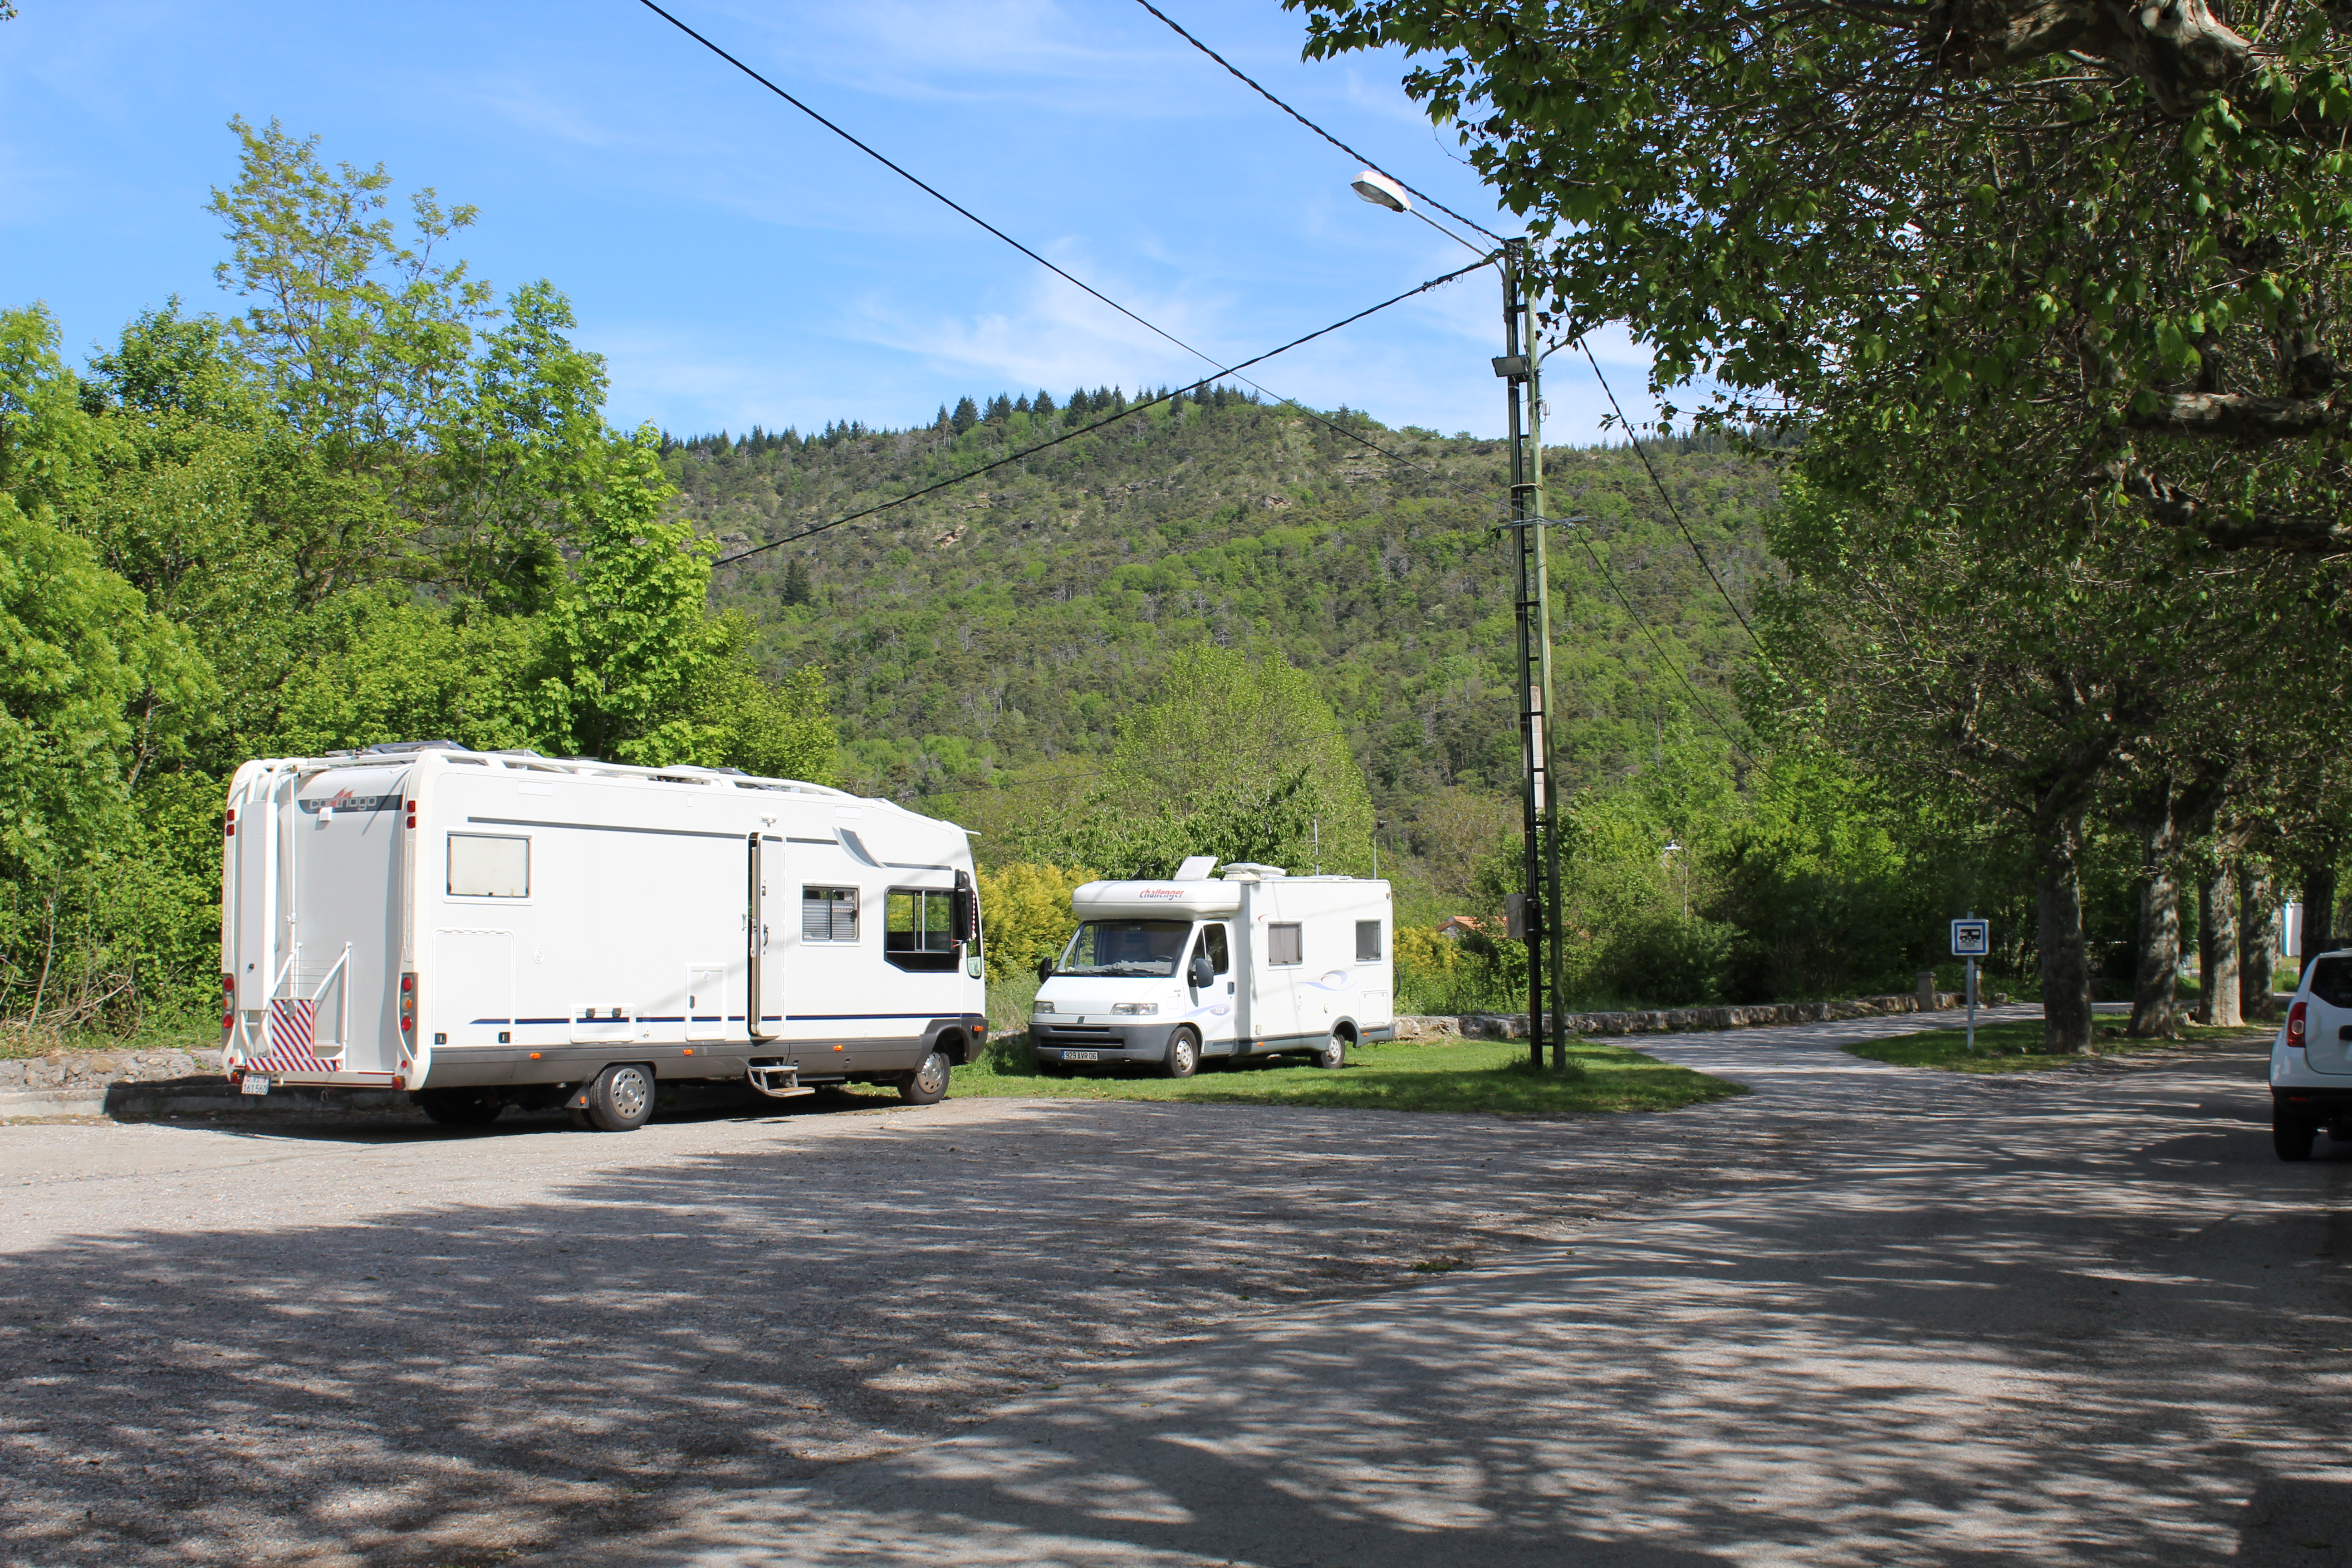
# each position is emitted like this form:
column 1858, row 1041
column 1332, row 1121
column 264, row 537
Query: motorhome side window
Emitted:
column 1212, row 943
column 1367, row 942
column 828, row 914
column 918, row 929
column 1282, row 945
column 488, row 866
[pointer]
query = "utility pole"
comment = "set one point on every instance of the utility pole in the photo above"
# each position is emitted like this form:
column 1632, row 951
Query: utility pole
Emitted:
column 1517, row 367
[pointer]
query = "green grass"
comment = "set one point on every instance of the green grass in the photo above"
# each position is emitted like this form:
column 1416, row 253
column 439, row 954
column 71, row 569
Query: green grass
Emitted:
column 2017, row 1047
column 1474, row 1076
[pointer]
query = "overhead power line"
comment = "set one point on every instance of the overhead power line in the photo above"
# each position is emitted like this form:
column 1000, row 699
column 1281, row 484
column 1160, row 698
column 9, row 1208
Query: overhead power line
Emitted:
column 1127, row 413
column 1178, row 29
column 950, row 202
column 1672, row 511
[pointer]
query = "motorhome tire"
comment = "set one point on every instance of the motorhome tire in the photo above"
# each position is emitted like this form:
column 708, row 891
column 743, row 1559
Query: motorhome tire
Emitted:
column 1334, row 1052
column 928, row 1084
column 1184, row 1058
column 460, row 1107
column 622, row 1099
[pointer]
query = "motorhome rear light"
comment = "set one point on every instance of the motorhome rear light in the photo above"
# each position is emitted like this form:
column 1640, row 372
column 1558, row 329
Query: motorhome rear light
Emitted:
column 228, row 827
column 407, row 1006
column 412, row 814
column 2295, row 1024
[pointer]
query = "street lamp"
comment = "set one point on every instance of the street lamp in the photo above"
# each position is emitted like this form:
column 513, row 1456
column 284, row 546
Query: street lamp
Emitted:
column 1521, row 365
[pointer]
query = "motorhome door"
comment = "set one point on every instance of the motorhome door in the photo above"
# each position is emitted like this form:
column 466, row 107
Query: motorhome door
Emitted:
column 764, row 925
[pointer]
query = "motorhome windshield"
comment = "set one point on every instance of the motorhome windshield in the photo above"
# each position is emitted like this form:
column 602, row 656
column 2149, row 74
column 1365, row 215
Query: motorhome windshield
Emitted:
column 1142, row 949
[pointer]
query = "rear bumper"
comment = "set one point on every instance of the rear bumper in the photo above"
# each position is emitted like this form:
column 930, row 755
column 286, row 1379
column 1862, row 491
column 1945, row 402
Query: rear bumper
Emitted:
column 2306, row 1103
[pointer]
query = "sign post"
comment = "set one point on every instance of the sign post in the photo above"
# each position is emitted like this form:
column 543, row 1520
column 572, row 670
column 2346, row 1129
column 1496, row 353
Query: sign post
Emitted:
column 1972, row 940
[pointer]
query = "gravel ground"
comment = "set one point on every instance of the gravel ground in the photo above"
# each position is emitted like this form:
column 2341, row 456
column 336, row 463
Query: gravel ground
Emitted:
column 398, row 1345
column 1867, row 1315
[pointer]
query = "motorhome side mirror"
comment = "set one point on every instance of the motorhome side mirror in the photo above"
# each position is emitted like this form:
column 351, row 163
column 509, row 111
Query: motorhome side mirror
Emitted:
column 1204, row 973
column 1044, row 968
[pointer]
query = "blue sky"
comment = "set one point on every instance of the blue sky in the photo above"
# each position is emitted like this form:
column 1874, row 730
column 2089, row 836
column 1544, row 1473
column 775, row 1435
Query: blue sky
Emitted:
column 734, row 261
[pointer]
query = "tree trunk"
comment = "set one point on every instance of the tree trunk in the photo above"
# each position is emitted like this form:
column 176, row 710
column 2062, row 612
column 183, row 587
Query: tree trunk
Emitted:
column 2217, row 947
column 2318, row 912
column 2258, row 941
column 2065, row 969
column 2155, row 985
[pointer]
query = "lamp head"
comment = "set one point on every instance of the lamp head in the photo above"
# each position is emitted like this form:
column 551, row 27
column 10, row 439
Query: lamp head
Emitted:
column 1375, row 187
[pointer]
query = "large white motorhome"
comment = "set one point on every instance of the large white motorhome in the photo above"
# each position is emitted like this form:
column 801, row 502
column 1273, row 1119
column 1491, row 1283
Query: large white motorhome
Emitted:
column 494, row 928
column 1256, row 962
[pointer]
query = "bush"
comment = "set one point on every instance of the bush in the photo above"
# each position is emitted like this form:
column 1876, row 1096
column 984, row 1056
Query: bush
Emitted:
column 1026, row 909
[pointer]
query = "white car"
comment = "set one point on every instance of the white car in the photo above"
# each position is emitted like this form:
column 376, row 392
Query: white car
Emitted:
column 2311, row 1060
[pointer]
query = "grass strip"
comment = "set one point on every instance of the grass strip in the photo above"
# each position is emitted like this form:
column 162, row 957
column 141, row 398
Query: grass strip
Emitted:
column 1480, row 1076
column 2016, row 1047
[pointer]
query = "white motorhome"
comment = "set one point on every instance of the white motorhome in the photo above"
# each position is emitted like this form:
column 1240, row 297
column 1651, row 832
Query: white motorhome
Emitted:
column 1256, row 962
column 485, row 930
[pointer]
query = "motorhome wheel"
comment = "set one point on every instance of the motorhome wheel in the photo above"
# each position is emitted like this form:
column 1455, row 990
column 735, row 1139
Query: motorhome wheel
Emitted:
column 1184, row 1058
column 622, row 1099
column 1334, row 1052
column 928, row 1084
column 459, row 1107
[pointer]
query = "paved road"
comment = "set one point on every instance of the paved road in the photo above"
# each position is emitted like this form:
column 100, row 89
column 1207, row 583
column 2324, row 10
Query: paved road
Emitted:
column 1864, row 1315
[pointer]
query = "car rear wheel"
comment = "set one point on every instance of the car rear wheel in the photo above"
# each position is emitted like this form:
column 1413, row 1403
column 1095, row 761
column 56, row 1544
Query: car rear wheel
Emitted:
column 1184, row 1058
column 928, row 1084
column 622, row 1099
column 460, row 1107
column 2291, row 1139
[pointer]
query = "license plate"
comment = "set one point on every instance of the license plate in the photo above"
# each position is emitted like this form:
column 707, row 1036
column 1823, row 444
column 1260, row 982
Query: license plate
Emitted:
column 252, row 1085
column 1082, row 1055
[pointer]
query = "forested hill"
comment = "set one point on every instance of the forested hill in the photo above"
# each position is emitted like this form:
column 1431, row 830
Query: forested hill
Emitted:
column 1009, row 622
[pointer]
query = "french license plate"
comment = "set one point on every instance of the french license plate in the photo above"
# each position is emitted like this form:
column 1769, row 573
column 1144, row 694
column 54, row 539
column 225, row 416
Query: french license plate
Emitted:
column 1082, row 1055
column 252, row 1085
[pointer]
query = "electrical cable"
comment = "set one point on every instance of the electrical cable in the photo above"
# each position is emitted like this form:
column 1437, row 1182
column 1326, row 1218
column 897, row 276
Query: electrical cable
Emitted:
column 959, row 207
column 1129, row 412
column 1134, row 408
column 1179, row 30
column 1698, row 706
column 1671, row 510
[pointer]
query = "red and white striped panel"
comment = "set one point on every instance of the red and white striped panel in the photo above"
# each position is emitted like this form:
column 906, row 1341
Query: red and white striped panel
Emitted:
column 293, row 1027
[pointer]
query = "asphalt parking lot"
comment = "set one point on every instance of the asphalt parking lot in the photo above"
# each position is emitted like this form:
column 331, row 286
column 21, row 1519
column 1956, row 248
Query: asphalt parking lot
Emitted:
column 1867, row 1315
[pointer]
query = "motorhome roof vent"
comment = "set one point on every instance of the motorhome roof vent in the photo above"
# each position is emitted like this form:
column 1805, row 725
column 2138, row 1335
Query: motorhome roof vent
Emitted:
column 1247, row 871
column 410, row 748
column 1195, row 868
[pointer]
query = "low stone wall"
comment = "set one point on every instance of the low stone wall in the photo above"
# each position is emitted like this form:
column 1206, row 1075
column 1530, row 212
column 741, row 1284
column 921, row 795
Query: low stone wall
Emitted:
column 1677, row 1020
column 91, row 1071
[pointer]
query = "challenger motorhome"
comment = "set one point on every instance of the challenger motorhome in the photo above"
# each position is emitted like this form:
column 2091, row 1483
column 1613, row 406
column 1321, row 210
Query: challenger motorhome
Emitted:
column 494, row 928
column 1256, row 962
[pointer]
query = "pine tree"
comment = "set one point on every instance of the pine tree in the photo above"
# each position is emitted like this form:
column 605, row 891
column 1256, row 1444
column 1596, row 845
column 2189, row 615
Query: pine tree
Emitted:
column 1043, row 406
column 1000, row 409
column 941, row 423
column 1021, row 404
column 967, row 415
column 798, row 590
column 1080, row 402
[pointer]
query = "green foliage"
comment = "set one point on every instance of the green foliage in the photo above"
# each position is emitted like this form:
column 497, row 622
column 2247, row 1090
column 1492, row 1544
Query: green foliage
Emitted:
column 1026, row 909
column 354, row 515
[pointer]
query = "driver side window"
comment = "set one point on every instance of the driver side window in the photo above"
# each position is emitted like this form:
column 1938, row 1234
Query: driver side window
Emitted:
column 1212, row 943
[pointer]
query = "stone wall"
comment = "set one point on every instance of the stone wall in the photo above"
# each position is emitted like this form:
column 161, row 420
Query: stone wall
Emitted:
column 91, row 1071
column 1675, row 1020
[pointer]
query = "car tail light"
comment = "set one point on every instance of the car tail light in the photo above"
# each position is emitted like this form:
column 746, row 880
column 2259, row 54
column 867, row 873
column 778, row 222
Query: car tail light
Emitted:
column 407, row 1008
column 228, row 1004
column 2295, row 1024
